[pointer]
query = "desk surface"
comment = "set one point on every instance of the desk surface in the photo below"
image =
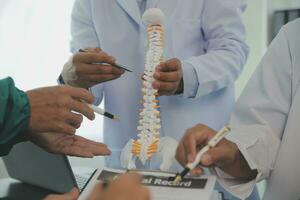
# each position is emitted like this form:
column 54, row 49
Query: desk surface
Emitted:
column 11, row 189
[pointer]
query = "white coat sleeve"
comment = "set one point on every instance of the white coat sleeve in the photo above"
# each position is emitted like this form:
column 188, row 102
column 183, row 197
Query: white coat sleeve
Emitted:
column 82, row 26
column 83, row 36
column 226, row 50
column 260, row 115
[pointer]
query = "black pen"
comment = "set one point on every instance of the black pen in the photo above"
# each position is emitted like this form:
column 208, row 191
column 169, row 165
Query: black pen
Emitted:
column 117, row 65
column 100, row 111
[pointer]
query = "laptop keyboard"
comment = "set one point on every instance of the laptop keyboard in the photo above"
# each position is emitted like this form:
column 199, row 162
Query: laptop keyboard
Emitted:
column 81, row 181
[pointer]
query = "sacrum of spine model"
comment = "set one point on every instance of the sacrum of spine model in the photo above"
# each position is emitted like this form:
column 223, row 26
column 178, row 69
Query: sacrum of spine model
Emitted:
column 149, row 142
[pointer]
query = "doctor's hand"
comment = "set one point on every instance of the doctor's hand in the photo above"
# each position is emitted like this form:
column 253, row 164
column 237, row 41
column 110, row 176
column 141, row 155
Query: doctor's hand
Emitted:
column 88, row 73
column 225, row 155
column 125, row 187
column 168, row 78
column 52, row 109
column 72, row 145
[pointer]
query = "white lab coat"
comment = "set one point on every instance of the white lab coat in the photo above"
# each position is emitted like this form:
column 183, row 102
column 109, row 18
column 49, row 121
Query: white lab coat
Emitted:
column 206, row 35
column 266, row 121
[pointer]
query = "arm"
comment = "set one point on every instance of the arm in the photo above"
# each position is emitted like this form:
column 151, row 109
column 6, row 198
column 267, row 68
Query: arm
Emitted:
column 226, row 51
column 14, row 115
column 30, row 115
column 83, row 36
column 79, row 71
column 261, row 112
column 248, row 153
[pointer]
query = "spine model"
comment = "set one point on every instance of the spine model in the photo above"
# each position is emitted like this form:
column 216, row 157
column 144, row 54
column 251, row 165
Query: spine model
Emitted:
column 149, row 123
column 149, row 142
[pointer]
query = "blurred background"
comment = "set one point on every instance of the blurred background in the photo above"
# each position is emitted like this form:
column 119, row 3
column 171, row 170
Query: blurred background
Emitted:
column 34, row 44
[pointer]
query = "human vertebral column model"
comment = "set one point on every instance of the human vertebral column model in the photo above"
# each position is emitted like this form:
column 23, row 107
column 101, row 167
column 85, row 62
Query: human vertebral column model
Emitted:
column 149, row 141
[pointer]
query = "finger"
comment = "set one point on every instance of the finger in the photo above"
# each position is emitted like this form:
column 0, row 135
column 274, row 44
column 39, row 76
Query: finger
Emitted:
column 80, row 138
column 79, row 93
column 214, row 156
column 146, row 193
column 77, row 151
column 190, row 147
column 170, row 65
column 100, row 78
column 88, row 58
column 74, row 119
column 142, row 193
column 131, row 178
column 93, row 50
column 82, row 108
column 198, row 171
column 82, row 69
column 63, row 127
column 191, row 140
column 174, row 76
column 165, row 86
column 93, row 147
column 72, row 195
column 97, row 150
column 96, row 193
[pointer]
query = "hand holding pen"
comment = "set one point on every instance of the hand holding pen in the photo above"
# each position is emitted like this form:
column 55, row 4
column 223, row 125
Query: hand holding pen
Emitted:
column 202, row 146
column 94, row 66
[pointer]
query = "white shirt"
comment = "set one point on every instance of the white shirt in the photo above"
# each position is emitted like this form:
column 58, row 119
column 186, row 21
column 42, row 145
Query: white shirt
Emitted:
column 266, row 121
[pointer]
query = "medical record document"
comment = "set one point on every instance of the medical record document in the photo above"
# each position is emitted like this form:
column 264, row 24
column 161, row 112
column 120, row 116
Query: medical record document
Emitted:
column 161, row 188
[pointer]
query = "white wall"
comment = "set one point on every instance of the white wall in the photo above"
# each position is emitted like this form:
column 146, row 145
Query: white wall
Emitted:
column 258, row 20
column 255, row 19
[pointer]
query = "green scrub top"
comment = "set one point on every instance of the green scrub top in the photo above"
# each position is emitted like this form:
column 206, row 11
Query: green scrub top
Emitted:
column 14, row 115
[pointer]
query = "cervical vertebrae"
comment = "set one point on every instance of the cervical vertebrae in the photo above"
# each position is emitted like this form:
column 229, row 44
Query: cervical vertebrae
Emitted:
column 147, row 144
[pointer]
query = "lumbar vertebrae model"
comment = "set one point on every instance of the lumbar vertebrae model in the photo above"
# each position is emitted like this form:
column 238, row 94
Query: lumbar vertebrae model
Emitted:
column 149, row 142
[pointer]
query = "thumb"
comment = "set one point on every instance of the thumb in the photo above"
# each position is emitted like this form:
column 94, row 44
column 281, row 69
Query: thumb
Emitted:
column 72, row 195
column 214, row 156
column 96, row 192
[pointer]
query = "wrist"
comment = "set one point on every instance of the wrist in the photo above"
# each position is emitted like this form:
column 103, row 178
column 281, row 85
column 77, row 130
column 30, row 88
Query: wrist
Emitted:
column 68, row 75
column 239, row 167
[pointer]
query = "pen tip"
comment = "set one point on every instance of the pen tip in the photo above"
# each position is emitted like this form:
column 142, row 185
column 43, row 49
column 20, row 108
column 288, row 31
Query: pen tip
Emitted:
column 178, row 179
column 116, row 118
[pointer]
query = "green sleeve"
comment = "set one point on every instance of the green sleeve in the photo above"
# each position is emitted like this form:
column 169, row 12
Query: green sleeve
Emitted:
column 14, row 115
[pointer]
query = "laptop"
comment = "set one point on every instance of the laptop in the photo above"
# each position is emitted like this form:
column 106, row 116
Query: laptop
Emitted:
column 31, row 164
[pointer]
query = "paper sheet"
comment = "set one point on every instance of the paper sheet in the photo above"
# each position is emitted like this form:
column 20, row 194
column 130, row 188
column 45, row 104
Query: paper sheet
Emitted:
column 163, row 189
